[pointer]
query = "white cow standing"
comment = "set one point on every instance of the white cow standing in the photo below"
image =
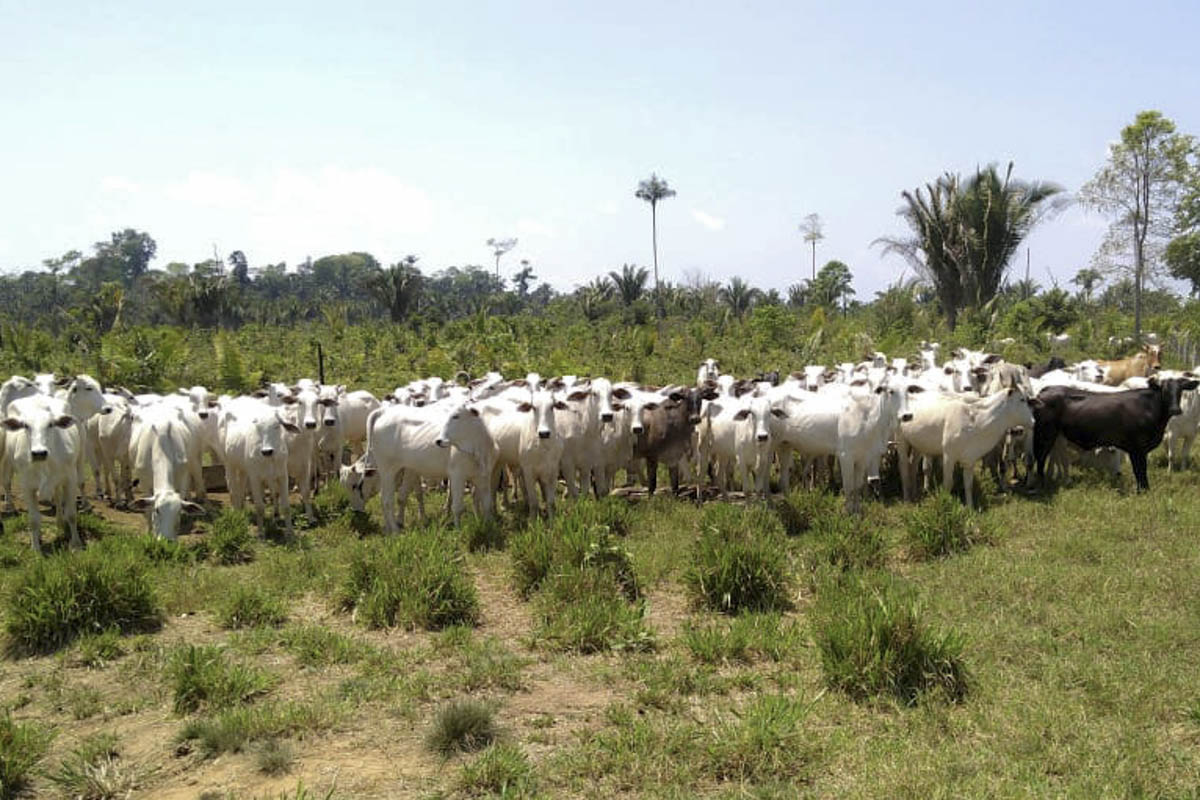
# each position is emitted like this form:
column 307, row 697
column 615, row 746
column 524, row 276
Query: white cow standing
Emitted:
column 42, row 448
column 255, row 456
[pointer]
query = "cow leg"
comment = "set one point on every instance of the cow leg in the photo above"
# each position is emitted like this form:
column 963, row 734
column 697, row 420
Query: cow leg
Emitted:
column 530, row 481
column 1186, row 447
column 570, row 476
column 305, row 485
column 457, row 481
column 387, row 500
column 846, row 462
column 968, row 472
column 283, row 501
column 785, row 467
column 549, row 492
column 947, row 474
column 651, row 475
column 256, row 496
column 34, row 516
column 1138, row 462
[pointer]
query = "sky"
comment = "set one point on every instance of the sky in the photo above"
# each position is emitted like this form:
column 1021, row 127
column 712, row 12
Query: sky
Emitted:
column 297, row 129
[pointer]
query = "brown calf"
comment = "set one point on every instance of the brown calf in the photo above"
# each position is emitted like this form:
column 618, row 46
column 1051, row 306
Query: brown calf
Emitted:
column 1136, row 366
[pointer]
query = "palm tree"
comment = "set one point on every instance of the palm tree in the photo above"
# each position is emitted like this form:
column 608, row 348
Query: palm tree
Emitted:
column 1087, row 279
column 399, row 287
column 630, row 282
column 811, row 228
column 500, row 247
column 652, row 190
column 739, row 296
column 523, row 278
column 963, row 233
column 832, row 286
column 798, row 294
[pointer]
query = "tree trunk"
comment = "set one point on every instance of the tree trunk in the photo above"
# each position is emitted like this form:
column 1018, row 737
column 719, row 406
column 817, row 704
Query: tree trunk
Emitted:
column 658, row 309
column 814, row 259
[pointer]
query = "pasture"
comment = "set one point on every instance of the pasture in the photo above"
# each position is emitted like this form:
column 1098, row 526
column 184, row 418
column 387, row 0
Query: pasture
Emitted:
column 1054, row 647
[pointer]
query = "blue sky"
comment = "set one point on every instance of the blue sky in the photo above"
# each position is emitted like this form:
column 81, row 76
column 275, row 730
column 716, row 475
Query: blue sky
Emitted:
column 295, row 129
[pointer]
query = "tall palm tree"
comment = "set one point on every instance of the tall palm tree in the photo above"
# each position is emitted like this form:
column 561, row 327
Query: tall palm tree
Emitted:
column 499, row 247
column 652, row 190
column 1087, row 279
column 964, row 233
column 813, row 233
column 738, row 296
column 630, row 282
column 399, row 287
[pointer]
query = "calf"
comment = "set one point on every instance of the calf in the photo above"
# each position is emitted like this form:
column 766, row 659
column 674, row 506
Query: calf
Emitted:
column 1133, row 420
column 1148, row 360
column 41, row 445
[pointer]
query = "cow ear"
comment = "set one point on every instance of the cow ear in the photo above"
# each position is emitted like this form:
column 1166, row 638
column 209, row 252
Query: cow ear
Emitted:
column 914, row 388
column 559, row 405
column 709, row 394
column 141, row 504
column 575, row 397
column 650, row 406
column 618, row 406
column 524, row 408
column 289, row 400
column 675, row 396
column 621, row 394
column 212, row 402
column 1188, row 385
column 473, row 411
column 192, row 508
column 369, row 472
column 778, row 413
column 65, row 421
column 948, row 370
column 290, row 427
column 12, row 424
column 741, row 415
column 259, row 393
column 182, row 391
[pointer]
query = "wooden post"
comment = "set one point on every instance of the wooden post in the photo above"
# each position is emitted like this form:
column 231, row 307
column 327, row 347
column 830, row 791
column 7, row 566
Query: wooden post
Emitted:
column 320, row 364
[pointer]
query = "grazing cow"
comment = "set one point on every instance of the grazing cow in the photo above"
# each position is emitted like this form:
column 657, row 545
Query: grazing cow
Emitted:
column 662, row 428
column 961, row 431
column 1133, row 420
column 161, row 446
column 41, row 446
column 361, row 482
column 1142, row 364
column 255, row 456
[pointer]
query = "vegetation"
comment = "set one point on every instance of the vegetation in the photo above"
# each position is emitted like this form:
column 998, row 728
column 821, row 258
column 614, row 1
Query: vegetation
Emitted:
column 462, row 726
column 941, row 525
column 202, row 678
column 22, row 746
column 739, row 563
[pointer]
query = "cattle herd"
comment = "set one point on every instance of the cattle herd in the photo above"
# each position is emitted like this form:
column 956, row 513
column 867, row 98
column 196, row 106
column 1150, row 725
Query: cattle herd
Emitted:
column 498, row 436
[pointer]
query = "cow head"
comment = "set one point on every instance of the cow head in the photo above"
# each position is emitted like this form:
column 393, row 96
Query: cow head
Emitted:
column 603, row 390
column 165, row 509
column 361, row 481
column 1172, row 390
column 40, row 421
column 542, row 405
column 461, row 423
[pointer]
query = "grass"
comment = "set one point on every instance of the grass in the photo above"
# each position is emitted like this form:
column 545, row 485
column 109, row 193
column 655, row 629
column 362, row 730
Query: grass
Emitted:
column 739, row 563
column 502, row 770
column 22, row 746
column 462, row 726
column 417, row 580
column 941, row 526
column 94, row 770
column 250, row 606
column 203, row 678
column 847, row 543
column 229, row 538
column 98, row 650
column 68, row 595
column 743, row 639
column 274, row 757
column 234, row 729
column 874, row 642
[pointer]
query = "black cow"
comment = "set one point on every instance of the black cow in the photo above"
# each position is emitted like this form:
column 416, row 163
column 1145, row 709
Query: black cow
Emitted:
column 1041, row 369
column 771, row 377
column 664, row 430
column 1132, row 421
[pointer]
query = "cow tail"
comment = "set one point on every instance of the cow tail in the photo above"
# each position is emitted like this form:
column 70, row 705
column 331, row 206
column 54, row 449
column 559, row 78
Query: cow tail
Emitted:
column 368, row 454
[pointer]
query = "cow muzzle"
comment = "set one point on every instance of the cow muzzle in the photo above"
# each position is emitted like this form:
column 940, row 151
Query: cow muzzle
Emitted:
column 202, row 414
column 329, row 423
column 38, row 455
column 310, row 424
column 268, row 451
column 694, row 419
column 442, row 442
column 543, row 434
column 606, row 417
column 762, row 437
column 638, row 429
column 906, row 417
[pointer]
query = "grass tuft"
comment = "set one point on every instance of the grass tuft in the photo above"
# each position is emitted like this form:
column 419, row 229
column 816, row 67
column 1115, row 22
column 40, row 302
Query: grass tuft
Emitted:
column 274, row 757
column 250, row 606
column 98, row 650
column 502, row 770
column 94, row 771
column 22, row 746
column 234, row 729
column 743, row 639
column 229, row 539
column 462, row 726
column 69, row 595
column 483, row 534
column 203, row 679
column 739, row 562
column 417, row 580
column 873, row 642
column 848, row 543
column 801, row 509
column 768, row 741
column 941, row 526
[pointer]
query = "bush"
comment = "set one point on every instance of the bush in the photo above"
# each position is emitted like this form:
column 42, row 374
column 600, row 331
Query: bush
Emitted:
column 275, row 757
column 462, row 726
column 739, row 562
column 846, row 542
column 71, row 594
column 202, row 678
column 873, row 642
column 501, row 770
column 766, row 742
column 483, row 534
column 250, row 606
column 583, row 610
column 229, row 538
column 94, row 771
column 941, row 525
column 417, row 579
column 573, row 540
column 801, row 509
column 331, row 502
column 22, row 746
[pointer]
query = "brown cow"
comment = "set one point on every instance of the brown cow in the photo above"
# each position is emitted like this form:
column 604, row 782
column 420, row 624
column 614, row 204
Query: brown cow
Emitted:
column 1136, row 366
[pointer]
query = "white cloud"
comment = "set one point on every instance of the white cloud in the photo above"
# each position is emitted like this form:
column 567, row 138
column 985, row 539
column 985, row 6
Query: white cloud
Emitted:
column 118, row 183
column 607, row 209
column 533, row 227
column 708, row 220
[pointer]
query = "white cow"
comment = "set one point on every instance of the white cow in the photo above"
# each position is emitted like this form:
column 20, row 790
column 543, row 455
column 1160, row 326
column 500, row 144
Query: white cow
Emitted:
column 161, row 446
column 108, row 435
column 302, row 409
column 709, row 371
column 255, row 456
column 578, row 425
column 42, row 448
column 741, row 436
column 353, row 408
column 525, row 433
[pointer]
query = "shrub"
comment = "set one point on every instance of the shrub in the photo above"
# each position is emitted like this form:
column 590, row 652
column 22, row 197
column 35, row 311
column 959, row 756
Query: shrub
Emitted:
column 873, row 642
column 572, row 540
column 483, row 534
column 229, row 538
column 331, row 502
column 22, row 746
column 94, row 771
column 846, row 542
column 501, row 770
column 801, row 509
column 582, row 610
column 462, row 726
column 202, row 678
column 99, row 649
column 941, row 525
column 275, row 757
column 417, row 579
column 766, row 742
column 250, row 606
column 739, row 562
column 70, row 594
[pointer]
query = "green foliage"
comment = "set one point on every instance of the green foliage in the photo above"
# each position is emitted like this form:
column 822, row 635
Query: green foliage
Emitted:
column 874, row 642
column 231, row 730
column 584, row 536
column 22, row 746
column 274, row 757
column 462, row 726
column 67, row 595
column 202, row 678
column 249, row 606
column 95, row 771
column 315, row 646
column 739, row 563
column 583, row 609
column 743, row 639
column 483, row 534
column 229, row 538
column 418, row 579
column 98, row 650
column 847, row 543
column 941, row 525
column 766, row 742
column 502, row 770
column 801, row 509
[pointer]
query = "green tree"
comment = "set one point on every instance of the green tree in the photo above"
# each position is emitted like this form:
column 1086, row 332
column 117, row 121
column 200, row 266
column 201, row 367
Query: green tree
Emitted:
column 1054, row 311
column 523, row 278
column 1183, row 259
column 962, row 234
column 1140, row 187
column 499, row 247
column 832, row 287
column 1087, row 279
column 399, row 287
column 652, row 190
column 738, row 296
column 128, row 253
column 630, row 283
column 239, row 268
